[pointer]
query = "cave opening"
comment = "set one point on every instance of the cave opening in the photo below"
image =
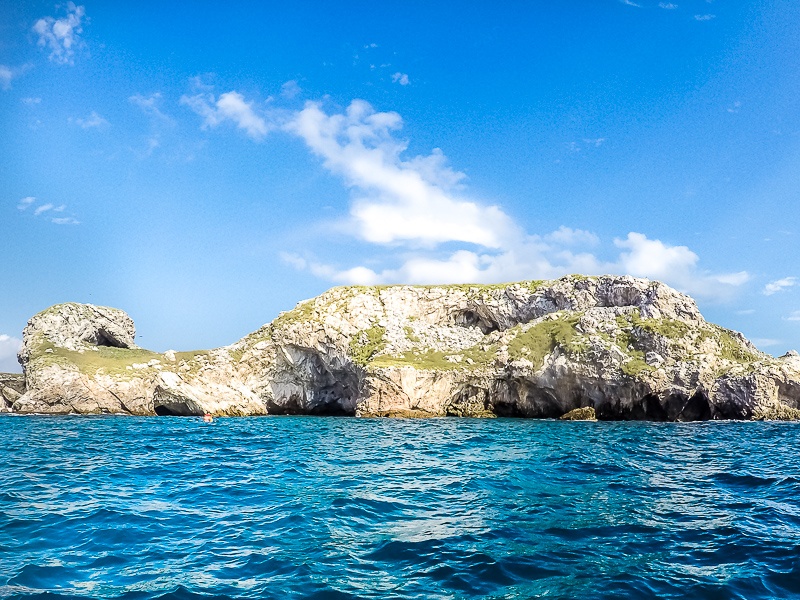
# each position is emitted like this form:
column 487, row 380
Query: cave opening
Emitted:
column 108, row 341
column 470, row 318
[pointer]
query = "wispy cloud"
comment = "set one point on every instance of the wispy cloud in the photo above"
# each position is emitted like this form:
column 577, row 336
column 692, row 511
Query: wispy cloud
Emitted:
column 9, row 346
column 704, row 17
column 630, row 3
column 93, row 121
column 7, row 74
column 29, row 201
column 765, row 342
column 667, row 5
column 65, row 221
column 149, row 105
column 26, row 202
column 734, row 108
column 596, row 142
column 566, row 236
column 42, row 209
column 773, row 287
column 31, row 101
column 61, row 36
column 290, row 89
column 585, row 143
column 794, row 316
column 401, row 78
column 232, row 107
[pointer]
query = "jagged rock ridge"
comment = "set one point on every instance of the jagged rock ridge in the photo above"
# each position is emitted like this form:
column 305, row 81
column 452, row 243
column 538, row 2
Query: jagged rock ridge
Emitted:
column 626, row 348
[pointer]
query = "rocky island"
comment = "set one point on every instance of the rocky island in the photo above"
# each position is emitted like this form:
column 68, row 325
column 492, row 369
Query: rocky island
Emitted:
column 607, row 347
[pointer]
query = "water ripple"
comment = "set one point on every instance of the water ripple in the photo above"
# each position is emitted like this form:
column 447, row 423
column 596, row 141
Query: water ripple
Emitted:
column 336, row 508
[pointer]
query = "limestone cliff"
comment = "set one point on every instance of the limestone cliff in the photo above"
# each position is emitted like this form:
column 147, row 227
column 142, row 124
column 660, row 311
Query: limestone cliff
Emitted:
column 627, row 348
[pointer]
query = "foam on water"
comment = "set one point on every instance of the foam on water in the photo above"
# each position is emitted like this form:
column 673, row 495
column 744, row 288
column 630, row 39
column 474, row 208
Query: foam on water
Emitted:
column 323, row 507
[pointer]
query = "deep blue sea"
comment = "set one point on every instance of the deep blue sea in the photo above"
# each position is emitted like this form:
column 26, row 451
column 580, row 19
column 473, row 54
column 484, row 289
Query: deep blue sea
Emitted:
column 336, row 508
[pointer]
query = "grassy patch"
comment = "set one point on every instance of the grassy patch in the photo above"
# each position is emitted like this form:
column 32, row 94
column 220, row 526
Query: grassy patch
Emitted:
column 539, row 340
column 301, row 313
column 410, row 335
column 730, row 348
column 367, row 344
column 626, row 341
column 668, row 328
column 435, row 360
column 112, row 361
column 109, row 361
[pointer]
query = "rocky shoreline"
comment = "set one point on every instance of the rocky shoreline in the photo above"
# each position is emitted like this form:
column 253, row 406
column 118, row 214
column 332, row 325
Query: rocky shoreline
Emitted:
column 607, row 347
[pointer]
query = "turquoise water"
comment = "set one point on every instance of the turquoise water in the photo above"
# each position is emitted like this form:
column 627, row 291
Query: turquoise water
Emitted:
column 335, row 508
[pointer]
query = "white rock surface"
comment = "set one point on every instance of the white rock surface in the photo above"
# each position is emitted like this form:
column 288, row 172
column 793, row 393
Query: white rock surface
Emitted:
column 627, row 348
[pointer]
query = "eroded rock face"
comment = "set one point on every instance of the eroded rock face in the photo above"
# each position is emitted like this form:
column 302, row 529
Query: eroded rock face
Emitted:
column 12, row 386
column 622, row 347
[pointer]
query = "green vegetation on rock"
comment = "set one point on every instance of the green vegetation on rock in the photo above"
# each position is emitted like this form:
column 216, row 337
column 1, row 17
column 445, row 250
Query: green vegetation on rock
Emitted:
column 367, row 344
column 118, row 362
column 436, row 360
column 410, row 335
column 626, row 340
column 730, row 348
column 536, row 341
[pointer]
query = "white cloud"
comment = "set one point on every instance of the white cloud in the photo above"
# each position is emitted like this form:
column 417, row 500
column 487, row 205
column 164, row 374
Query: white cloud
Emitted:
column 596, row 142
column 65, row 221
column 773, row 287
column 735, row 107
column 566, row 236
column 26, row 202
column 230, row 106
column 631, row 3
column 668, row 5
column 765, row 342
column 61, row 36
column 9, row 346
column 30, row 101
column 396, row 199
column 149, row 105
column 401, row 78
column 290, row 89
column 417, row 204
column 92, row 121
column 794, row 316
column 6, row 75
column 41, row 209
column 676, row 265
column 704, row 17
column 541, row 258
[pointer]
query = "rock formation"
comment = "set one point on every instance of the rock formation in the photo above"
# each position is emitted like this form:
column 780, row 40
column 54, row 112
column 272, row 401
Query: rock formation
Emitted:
column 625, row 348
column 12, row 387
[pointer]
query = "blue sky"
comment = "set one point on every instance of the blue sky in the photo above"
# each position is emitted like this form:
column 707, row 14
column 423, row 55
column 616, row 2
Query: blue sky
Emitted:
column 204, row 166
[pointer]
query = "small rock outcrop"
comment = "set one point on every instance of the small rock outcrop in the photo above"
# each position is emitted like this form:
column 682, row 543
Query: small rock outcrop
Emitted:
column 580, row 414
column 579, row 347
column 12, row 387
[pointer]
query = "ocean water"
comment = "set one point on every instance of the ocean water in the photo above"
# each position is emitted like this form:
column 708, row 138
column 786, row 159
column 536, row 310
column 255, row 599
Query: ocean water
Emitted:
column 337, row 508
